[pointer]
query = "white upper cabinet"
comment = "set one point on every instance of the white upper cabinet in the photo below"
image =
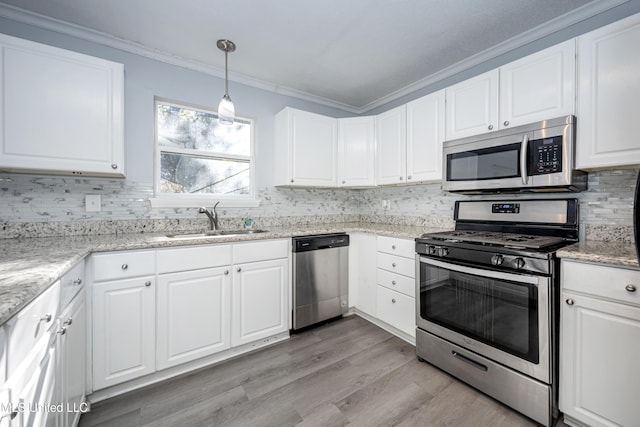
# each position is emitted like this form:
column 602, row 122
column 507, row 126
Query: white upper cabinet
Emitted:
column 61, row 112
column 537, row 87
column 356, row 151
column 391, row 135
column 305, row 149
column 472, row 106
column 608, row 95
column 425, row 134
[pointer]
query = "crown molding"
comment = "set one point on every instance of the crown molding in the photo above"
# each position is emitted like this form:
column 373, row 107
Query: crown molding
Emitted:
column 83, row 33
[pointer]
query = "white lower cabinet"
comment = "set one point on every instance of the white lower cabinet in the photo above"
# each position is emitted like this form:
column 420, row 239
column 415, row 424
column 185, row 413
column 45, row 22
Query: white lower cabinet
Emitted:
column 198, row 302
column 599, row 345
column 260, row 297
column 397, row 310
column 123, row 331
column 193, row 315
column 362, row 272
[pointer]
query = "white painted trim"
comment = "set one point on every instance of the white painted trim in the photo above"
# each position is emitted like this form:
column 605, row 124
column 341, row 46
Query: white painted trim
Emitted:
column 580, row 14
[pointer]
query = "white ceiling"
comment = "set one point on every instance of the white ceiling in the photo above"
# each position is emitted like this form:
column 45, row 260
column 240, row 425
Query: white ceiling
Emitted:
column 351, row 54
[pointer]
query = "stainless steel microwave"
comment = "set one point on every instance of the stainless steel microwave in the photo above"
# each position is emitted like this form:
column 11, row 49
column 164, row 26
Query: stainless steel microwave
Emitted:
column 537, row 157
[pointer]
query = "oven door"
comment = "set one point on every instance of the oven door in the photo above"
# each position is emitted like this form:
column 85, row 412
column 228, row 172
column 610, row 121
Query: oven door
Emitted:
column 502, row 316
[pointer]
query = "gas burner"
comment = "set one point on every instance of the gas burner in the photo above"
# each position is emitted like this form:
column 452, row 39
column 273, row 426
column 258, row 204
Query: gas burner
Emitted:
column 512, row 240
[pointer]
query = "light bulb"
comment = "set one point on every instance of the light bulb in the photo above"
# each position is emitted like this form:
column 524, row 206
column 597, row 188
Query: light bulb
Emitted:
column 226, row 111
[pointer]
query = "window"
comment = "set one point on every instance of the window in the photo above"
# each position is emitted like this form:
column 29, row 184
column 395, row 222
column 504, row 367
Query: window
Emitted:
column 199, row 160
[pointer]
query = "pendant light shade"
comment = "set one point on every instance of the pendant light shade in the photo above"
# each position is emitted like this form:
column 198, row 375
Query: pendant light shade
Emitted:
column 226, row 109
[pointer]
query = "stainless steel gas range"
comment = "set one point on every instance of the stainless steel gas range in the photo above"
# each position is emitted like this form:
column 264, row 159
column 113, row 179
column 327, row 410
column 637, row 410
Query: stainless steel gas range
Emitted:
column 487, row 299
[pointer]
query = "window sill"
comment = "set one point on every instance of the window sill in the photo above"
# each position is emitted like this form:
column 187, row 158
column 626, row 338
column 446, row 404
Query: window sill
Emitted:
column 196, row 202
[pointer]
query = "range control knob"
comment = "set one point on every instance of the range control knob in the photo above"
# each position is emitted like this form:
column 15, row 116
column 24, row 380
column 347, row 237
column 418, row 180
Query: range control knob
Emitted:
column 518, row 263
column 443, row 252
column 432, row 250
column 497, row 259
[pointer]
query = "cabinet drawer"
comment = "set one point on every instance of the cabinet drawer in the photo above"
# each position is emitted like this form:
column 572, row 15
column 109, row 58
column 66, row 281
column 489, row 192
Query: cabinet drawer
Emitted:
column 602, row 281
column 30, row 324
column 401, row 247
column 398, row 310
column 119, row 265
column 193, row 258
column 397, row 264
column 71, row 283
column 260, row 251
column 397, row 282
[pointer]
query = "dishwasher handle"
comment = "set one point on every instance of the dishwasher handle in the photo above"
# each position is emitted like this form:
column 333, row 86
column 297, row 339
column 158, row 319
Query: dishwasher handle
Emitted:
column 325, row 241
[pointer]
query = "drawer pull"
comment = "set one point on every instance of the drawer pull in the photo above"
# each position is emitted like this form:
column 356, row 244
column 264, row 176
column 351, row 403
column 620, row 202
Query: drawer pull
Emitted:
column 630, row 288
column 46, row 318
column 393, row 282
column 569, row 301
column 393, row 300
column 10, row 415
column 68, row 322
column 62, row 331
column 393, row 264
column 77, row 282
column 239, row 270
column 226, row 272
column 147, row 283
column 125, row 266
column 393, row 246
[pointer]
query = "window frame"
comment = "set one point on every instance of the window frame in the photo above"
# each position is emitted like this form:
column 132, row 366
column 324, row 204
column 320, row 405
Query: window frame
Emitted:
column 177, row 200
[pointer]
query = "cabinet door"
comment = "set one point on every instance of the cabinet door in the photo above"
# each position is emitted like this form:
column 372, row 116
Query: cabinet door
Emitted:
column 425, row 135
column 362, row 272
column 599, row 350
column 472, row 106
column 608, row 94
column 391, row 136
column 356, row 151
column 260, row 302
column 306, row 147
column 123, row 330
column 193, row 315
column 73, row 350
column 538, row 87
column 66, row 120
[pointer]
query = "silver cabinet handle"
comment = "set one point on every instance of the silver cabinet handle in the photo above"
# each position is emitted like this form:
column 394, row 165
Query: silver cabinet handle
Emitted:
column 10, row 415
column 393, row 282
column 344, row 182
column 569, row 301
column 400, row 178
column 393, row 246
column 239, row 270
column 291, row 179
column 77, row 282
column 46, row 318
column 62, row 331
column 409, row 177
column 393, row 264
column 393, row 300
column 114, row 166
column 630, row 288
column 147, row 283
column 226, row 272
column 506, row 122
column 68, row 322
column 490, row 127
column 125, row 266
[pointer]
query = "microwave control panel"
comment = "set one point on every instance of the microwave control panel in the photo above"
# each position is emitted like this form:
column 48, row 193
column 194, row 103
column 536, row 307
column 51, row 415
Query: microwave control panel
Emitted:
column 545, row 155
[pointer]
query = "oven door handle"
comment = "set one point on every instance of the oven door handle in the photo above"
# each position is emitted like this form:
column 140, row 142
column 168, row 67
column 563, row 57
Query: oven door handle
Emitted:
column 524, row 173
column 522, row 278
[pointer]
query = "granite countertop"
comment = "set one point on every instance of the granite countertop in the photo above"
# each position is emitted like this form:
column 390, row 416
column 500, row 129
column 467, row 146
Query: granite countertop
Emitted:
column 610, row 253
column 30, row 266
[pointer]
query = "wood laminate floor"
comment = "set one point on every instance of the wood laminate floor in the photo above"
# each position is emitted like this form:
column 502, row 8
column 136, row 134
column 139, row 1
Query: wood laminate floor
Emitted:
column 348, row 372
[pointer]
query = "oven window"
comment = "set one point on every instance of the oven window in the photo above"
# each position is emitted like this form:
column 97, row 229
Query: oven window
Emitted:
column 499, row 313
column 487, row 163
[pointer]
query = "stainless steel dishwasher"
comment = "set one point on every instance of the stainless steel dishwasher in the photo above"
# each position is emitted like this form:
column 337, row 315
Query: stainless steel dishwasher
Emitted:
column 320, row 278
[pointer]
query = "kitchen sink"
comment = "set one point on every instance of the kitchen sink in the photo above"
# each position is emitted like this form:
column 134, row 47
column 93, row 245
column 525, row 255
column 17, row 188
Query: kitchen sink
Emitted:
column 216, row 233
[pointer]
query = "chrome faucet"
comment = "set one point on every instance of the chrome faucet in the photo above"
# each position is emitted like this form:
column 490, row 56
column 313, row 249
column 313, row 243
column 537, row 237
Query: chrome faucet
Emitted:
column 213, row 216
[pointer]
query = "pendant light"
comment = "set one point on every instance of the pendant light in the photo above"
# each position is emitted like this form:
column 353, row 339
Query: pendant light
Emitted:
column 226, row 110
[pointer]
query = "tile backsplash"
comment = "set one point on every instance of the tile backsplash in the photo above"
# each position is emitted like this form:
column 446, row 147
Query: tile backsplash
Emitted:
column 49, row 205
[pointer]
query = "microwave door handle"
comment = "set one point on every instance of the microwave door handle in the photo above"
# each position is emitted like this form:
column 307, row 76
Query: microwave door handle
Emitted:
column 524, row 173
